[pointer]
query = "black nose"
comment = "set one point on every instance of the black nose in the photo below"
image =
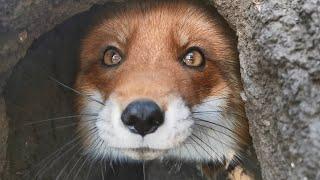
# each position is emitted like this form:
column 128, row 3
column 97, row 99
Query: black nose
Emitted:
column 142, row 117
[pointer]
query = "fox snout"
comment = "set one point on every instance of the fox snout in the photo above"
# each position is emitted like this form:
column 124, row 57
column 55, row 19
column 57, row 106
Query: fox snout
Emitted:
column 142, row 117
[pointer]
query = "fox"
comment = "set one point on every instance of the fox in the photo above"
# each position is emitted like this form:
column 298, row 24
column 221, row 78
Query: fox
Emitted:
column 163, row 80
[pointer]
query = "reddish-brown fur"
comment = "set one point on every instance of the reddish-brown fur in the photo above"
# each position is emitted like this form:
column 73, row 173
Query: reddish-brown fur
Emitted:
column 153, row 37
column 156, row 52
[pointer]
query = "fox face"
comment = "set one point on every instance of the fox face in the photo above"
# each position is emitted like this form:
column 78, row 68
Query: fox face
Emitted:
column 161, row 80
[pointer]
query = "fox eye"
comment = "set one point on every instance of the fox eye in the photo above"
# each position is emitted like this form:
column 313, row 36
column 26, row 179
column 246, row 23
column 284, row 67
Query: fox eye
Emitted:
column 112, row 56
column 193, row 58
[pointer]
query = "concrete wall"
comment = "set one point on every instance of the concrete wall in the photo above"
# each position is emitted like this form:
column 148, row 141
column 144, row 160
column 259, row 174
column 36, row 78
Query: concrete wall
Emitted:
column 280, row 64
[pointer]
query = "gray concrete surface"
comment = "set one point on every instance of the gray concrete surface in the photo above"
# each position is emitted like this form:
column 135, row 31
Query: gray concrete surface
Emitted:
column 280, row 61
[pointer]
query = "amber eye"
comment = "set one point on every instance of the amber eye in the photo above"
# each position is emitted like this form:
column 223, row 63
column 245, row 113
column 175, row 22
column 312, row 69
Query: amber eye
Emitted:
column 112, row 57
column 193, row 58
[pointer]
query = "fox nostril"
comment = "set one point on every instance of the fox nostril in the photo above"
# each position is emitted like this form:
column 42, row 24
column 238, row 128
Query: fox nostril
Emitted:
column 142, row 117
column 130, row 121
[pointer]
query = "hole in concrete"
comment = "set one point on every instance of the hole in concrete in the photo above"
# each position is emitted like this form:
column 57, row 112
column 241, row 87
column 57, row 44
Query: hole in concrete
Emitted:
column 31, row 96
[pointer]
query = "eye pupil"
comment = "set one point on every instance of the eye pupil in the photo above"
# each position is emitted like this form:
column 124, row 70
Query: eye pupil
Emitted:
column 116, row 58
column 193, row 58
column 112, row 57
column 189, row 58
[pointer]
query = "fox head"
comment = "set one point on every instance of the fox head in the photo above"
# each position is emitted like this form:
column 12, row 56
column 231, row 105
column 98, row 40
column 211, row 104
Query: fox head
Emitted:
column 161, row 80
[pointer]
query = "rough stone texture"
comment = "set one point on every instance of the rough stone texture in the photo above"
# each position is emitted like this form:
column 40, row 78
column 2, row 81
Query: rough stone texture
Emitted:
column 22, row 21
column 280, row 59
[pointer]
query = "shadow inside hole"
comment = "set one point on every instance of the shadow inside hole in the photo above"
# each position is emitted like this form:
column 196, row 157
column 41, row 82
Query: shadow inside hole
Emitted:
column 49, row 149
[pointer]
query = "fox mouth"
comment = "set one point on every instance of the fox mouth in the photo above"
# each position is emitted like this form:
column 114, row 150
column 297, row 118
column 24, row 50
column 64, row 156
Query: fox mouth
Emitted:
column 141, row 150
column 143, row 153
